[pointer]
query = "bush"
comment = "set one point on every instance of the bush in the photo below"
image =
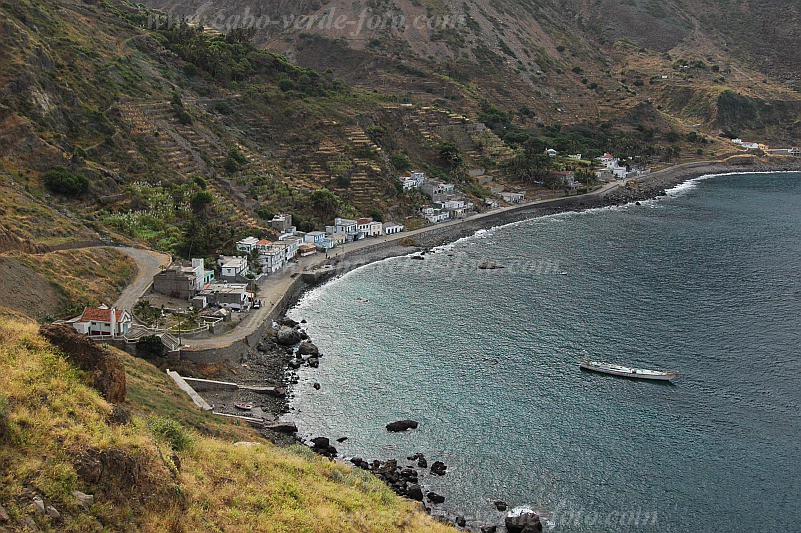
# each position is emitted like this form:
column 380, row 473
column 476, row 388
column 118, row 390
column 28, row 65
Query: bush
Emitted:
column 149, row 347
column 286, row 85
column 223, row 107
column 200, row 200
column 171, row 432
column 400, row 161
column 62, row 181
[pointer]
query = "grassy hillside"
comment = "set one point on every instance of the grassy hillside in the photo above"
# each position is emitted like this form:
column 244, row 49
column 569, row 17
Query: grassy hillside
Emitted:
column 171, row 468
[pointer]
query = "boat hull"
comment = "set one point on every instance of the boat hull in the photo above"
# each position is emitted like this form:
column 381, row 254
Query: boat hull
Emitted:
column 626, row 372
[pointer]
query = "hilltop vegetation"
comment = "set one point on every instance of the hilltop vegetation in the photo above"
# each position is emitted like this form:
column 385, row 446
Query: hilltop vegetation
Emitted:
column 155, row 463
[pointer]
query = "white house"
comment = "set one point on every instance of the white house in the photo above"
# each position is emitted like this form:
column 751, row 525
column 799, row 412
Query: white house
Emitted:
column 271, row 259
column 369, row 227
column 314, row 237
column 233, row 267
column 346, row 226
column 415, row 181
column 795, row 151
column 550, row 152
column 390, row 228
column 327, row 243
column 455, row 208
column 247, row 245
column 513, row 197
column 434, row 215
column 102, row 321
column 229, row 295
column 574, row 157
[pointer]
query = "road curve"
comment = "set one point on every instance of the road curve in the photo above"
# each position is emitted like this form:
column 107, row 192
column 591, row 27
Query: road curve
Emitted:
column 148, row 264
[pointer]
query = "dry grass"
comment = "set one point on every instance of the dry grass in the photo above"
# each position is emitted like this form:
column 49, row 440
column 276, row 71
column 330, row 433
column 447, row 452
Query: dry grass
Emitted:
column 59, row 284
column 52, row 420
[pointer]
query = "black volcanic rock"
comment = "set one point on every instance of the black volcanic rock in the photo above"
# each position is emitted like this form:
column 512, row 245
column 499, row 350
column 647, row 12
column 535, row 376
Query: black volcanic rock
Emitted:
column 438, row 468
column 435, row 498
column 414, row 492
column 524, row 523
column 401, row 425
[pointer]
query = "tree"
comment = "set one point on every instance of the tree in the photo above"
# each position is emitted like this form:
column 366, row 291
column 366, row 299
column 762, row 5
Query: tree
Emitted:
column 376, row 214
column 200, row 201
column 449, row 155
column 150, row 347
column 325, row 202
column 400, row 161
column 62, row 181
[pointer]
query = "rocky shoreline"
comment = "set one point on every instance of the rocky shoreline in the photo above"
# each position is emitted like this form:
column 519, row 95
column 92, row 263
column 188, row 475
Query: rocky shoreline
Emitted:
column 286, row 348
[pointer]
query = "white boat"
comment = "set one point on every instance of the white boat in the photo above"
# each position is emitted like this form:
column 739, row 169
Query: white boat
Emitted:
column 627, row 371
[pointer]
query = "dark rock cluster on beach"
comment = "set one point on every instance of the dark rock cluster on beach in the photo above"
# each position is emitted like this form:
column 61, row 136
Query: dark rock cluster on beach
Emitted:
column 291, row 341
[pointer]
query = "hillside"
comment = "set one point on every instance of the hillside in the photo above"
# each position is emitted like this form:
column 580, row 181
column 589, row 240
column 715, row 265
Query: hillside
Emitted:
column 156, row 463
column 119, row 126
column 569, row 62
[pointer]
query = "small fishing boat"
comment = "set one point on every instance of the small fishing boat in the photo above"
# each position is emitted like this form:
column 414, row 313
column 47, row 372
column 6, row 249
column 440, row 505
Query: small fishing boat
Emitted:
column 627, row 371
column 244, row 406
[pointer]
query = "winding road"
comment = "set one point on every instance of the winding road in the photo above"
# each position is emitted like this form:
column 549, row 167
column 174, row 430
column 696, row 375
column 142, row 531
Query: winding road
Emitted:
column 148, row 264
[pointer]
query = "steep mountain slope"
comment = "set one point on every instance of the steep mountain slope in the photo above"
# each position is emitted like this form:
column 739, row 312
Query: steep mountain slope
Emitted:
column 119, row 123
column 567, row 61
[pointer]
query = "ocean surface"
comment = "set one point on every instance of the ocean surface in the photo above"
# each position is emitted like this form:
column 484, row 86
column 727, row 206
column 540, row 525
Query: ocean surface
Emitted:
column 706, row 281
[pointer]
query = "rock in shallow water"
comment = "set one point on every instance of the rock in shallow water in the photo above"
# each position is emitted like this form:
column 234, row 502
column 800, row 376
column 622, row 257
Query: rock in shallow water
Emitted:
column 435, row 498
column 523, row 523
column 415, row 493
column 438, row 468
column 401, row 425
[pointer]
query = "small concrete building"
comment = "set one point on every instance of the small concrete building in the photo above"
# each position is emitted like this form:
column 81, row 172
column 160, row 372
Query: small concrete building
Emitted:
column 390, row 228
column 233, row 268
column 230, row 295
column 282, row 223
column 181, row 279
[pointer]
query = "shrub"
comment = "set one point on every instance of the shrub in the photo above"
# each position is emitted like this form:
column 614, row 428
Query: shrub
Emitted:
column 286, row 85
column 200, row 200
column 400, row 161
column 265, row 213
column 170, row 432
column 577, row 70
column 62, row 181
column 149, row 347
column 223, row 107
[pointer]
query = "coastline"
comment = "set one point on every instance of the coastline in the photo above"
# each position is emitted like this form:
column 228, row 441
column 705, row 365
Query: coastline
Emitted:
column 653, row 186
column 242, row 344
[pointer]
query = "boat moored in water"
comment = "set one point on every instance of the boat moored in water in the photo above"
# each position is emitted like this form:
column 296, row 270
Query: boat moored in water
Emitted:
column 627, row 371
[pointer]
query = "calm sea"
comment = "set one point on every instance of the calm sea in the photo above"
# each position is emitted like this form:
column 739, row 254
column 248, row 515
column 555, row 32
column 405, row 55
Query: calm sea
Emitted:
column 706, row 282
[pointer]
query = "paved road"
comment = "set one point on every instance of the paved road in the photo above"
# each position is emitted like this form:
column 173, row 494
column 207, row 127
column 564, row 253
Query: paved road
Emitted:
column 148, row 264
column 277, row 285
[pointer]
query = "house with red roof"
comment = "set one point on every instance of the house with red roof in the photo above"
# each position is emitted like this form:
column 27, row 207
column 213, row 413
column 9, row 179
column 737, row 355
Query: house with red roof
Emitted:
column 102, row 321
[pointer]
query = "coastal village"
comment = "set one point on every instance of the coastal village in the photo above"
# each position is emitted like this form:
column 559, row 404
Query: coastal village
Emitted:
column 200, row 298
